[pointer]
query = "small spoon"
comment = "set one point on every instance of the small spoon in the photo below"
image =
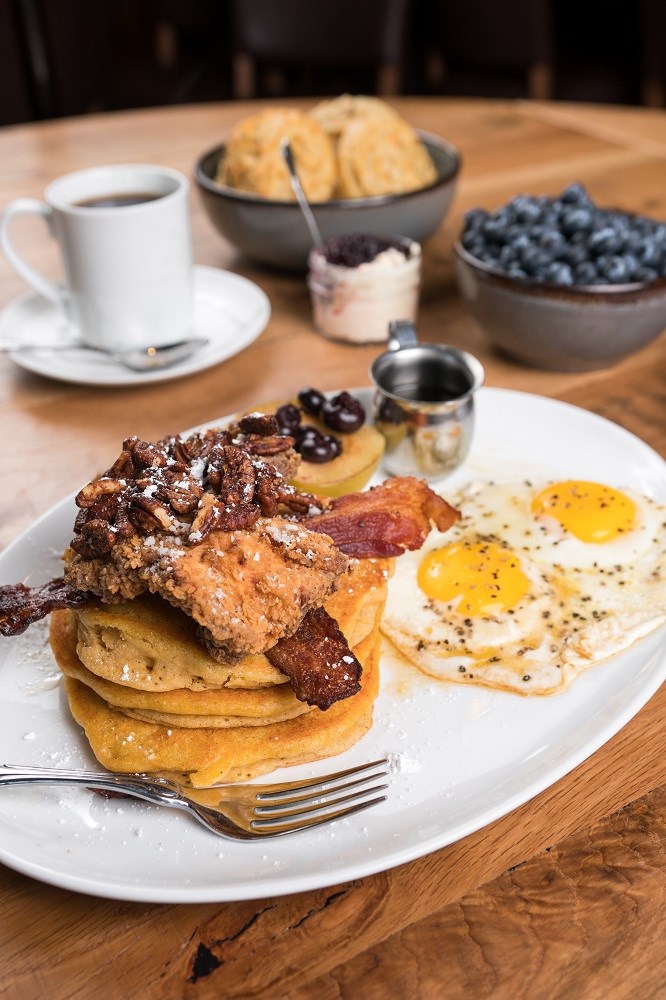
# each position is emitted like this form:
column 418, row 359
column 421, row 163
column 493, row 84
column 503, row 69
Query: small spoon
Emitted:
column 297, row 188
column 137, row 359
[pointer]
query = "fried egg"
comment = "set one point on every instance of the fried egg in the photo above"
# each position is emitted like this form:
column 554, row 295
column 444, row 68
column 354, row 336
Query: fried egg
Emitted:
column 536, row 582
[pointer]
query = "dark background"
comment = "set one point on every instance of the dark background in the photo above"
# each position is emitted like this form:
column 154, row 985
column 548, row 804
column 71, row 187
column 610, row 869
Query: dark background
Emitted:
column 69, row 57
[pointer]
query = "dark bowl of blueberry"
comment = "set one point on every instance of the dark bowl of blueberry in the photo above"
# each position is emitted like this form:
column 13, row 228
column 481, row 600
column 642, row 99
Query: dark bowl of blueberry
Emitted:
column 275, row 233
column 561, row 284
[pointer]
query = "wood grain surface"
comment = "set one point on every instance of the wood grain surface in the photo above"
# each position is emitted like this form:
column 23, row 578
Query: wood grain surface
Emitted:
column 562, row 898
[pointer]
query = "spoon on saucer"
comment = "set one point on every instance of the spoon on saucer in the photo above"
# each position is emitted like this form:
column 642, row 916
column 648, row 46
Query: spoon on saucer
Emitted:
column 297, row 188
column 141, row 359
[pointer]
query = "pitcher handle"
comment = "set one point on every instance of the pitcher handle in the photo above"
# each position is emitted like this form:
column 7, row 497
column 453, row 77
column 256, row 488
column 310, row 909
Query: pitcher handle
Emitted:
column 401, row 333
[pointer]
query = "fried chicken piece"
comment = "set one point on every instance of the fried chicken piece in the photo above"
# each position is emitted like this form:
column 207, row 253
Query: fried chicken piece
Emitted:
column 247, row 589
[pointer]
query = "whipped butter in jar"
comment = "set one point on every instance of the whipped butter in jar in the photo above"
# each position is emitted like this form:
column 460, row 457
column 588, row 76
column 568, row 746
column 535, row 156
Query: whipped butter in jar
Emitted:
column 359, row 283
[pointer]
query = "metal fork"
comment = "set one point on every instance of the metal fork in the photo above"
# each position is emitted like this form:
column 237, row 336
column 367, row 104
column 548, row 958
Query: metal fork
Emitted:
column 239, row 812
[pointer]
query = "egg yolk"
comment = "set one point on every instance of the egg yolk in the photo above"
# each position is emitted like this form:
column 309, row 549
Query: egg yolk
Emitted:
column 589, row 511
column 485, row 577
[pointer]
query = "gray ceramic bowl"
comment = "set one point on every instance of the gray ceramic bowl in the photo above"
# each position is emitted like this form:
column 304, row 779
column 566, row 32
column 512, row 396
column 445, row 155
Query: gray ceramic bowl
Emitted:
column 274, row 232
column 571, row 329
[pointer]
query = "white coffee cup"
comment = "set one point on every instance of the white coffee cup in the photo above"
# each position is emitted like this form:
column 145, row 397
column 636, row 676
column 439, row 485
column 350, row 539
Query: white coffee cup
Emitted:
column 128, row 272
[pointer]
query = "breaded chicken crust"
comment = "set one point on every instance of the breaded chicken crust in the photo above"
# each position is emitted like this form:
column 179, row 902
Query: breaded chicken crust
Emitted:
column 247, row 589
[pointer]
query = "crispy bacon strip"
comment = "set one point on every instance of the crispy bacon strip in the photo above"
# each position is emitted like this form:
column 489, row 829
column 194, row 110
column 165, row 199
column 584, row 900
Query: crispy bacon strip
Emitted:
column 385, row 520
column 21, row 606
column 318, row 661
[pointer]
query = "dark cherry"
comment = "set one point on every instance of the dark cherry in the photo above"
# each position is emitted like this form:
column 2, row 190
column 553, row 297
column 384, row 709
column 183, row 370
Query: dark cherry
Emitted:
column 343, row 413
column 317, row 448
column 334, row 444
column 311, row 400
column 288, row 416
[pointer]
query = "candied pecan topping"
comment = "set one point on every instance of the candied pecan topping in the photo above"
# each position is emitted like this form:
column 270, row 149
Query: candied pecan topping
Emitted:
column 268, row 446
column 263, row 424
column 215, row 480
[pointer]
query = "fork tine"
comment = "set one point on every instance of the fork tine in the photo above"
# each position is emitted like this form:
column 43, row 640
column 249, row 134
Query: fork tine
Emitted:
column 318, row 799
column 276, row 828
column 287, row 788
column 283, row 811
column 308, row 793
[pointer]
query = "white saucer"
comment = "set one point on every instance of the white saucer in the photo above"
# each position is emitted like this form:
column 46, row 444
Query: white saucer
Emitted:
column 229, row 312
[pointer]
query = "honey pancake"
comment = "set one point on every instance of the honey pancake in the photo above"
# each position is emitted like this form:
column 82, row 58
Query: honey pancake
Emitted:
column 219, row 707
column 203, row 757
column 148, row 645
column 382, row 156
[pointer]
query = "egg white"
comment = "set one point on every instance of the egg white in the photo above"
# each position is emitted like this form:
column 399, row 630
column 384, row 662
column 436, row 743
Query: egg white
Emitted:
column 504, row 509
column 584, row 604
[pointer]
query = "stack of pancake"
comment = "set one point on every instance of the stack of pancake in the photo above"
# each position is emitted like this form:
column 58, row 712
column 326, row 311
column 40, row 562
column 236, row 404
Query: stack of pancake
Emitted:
column 151, row 699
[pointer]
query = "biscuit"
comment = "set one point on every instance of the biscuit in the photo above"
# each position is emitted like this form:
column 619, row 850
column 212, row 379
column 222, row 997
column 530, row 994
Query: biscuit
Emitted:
column 379, row 156
column 253, row 160
column 334, row 115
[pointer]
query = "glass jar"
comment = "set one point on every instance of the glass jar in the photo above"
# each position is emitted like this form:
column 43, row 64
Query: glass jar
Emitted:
column 356, row 304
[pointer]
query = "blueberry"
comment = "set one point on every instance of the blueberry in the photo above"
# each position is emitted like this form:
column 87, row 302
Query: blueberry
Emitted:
column 559, row 273
column 508, row 255
column 476, row 248
column 516, row 232
column 525, row 208
column 645, row 274
column 495, row 230
column 651, row 254
column 633, row 241
column 288, row 417
column 643, row 226
column 576, row 220
column 659, row 233
column 575, row 194
column 605, row 241
column 574, row 254
column 613, row 268
column 550, row 219
column 631, row 263
column 469, row 239
column 516, row 272
column 552, row 239
column 536, row 231
column 534, row 259
column 475, row 218
column 585, row 273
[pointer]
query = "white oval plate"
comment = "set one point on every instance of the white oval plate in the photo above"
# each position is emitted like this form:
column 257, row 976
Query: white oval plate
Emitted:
column 229, row 312
column 467, row 756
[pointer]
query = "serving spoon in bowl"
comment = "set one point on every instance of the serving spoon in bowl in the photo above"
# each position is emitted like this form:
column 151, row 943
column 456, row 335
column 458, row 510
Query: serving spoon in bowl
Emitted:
column 297, row 188
column 139, row 359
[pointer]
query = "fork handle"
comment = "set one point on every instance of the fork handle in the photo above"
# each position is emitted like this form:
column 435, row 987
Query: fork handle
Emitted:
column 158, row 790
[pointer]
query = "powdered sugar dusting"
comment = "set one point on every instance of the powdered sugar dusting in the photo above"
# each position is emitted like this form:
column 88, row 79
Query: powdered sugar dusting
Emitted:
column 399, row 763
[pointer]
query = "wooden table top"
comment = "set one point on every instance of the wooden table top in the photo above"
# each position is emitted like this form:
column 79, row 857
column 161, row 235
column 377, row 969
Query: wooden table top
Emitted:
column 564, row 897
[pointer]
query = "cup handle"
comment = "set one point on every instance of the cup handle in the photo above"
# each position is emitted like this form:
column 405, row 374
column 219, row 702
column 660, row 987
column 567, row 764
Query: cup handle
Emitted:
column 29, row 206
column 401, row 333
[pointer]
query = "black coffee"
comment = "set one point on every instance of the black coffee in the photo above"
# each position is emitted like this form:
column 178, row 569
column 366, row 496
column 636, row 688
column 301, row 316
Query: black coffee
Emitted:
column 121, row 200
